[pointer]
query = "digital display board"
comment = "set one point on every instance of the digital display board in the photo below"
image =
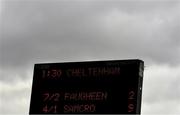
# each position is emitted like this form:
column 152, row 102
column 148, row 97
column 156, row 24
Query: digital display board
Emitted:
column 91, row 87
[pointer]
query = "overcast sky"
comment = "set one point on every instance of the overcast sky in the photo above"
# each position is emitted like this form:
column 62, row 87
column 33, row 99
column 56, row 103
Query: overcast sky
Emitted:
column 35, row 31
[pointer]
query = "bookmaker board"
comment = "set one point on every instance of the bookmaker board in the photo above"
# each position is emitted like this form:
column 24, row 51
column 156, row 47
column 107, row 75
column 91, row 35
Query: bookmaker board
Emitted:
column 89, row 87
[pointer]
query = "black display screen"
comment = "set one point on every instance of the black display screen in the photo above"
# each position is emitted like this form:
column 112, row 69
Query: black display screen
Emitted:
column 93, row 87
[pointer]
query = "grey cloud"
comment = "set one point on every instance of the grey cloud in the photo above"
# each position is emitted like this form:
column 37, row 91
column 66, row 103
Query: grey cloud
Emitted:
column 56, row 31
column 34, row 32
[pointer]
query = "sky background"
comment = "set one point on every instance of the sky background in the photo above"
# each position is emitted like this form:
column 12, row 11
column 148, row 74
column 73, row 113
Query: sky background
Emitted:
column 38, row 31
